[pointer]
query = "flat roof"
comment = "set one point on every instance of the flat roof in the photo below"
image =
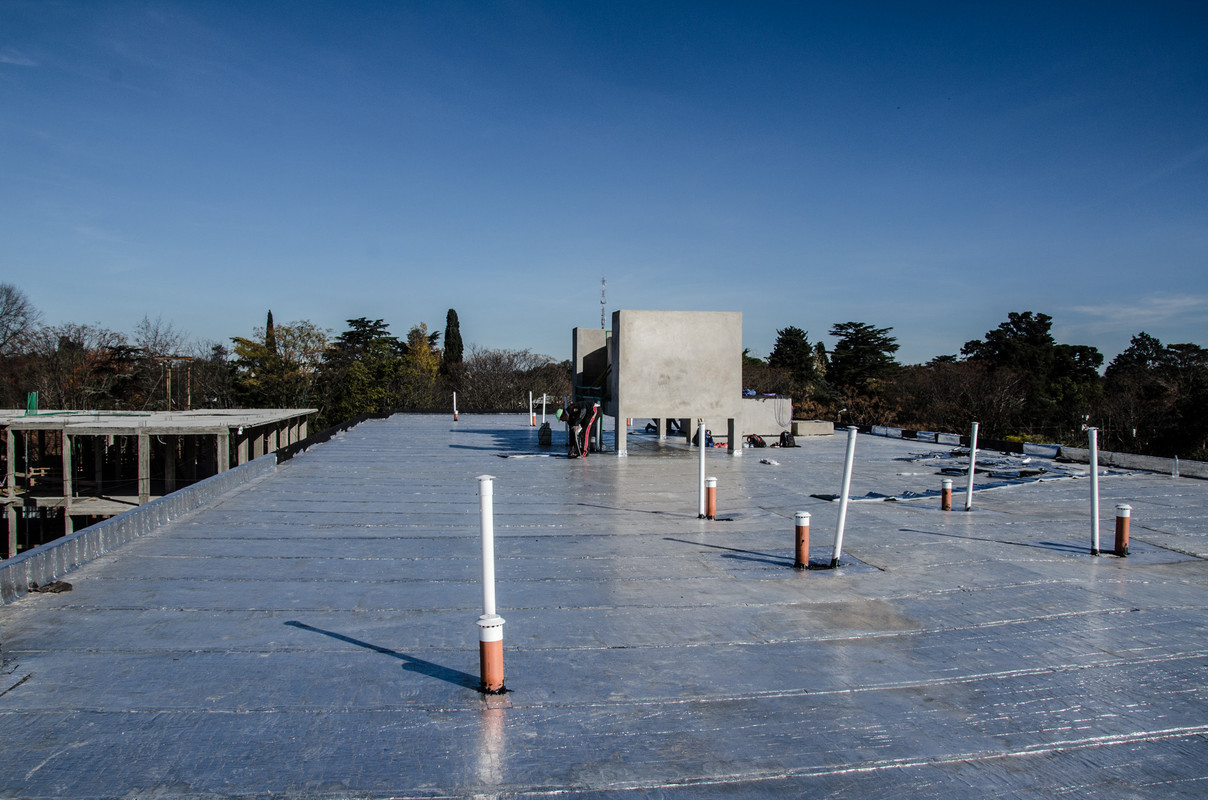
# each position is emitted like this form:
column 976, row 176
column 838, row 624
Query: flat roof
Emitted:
column 129, row 423
column 313, row 633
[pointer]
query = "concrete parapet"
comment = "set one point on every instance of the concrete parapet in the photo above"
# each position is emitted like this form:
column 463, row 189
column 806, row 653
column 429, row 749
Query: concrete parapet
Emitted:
column 813, row 427
column 1186, row 469
column 54, row 559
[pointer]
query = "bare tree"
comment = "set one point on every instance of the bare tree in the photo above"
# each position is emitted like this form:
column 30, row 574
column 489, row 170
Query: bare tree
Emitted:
column 18, row 318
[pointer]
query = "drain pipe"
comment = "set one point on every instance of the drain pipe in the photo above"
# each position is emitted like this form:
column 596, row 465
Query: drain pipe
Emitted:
column 710, row 498
column 847, row 462
column 1123, row 512
column 455, row 406
column 946, row 494
column 801, row 522
column 701, row 477
column 532, row 414
column 972, row 466
column 490, row 624
column 1093, row 433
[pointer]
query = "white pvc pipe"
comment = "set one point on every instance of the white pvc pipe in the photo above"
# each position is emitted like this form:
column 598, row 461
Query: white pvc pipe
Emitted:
column 972, row 466
column 455, row 404
column 532, row 416
column 486, row 513
column 543, row 408
column 847, row 462
column 701, row 434
column 1094, row 445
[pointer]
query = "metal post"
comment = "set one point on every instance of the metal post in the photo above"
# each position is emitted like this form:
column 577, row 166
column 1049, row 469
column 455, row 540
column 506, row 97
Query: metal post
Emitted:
column 490, row 624
column 1094, row 445
column 972, row 467
column 847, row 462
column 701, row 481
column 802, row 524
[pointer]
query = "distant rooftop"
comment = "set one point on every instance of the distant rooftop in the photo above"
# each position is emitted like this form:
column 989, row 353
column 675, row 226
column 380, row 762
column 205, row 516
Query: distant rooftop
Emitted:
column 312, row 633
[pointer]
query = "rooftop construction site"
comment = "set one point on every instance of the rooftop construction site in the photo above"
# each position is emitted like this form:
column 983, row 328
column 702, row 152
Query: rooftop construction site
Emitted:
column 441, row 606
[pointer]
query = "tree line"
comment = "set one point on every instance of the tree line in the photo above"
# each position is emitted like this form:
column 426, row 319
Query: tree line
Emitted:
column 363, row 370
column 1017, row 381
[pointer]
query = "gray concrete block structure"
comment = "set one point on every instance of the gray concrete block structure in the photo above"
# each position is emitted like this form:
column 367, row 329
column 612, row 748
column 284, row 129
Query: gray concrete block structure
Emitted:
column 684, row 365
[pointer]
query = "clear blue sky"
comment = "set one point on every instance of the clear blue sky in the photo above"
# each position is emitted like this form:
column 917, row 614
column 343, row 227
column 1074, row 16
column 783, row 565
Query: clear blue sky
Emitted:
column 925, row 166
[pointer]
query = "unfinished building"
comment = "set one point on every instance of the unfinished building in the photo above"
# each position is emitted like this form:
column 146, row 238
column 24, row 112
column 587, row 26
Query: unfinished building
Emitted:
column 65, row 469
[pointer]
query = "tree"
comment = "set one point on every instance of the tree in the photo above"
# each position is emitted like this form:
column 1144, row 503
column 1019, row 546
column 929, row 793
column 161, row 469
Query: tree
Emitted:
column 453, row 344
column 793, row 353
column 283, row 376
column 421, row 365
column 361, row 372
column 1059, row 383
column 80, row 367
column 862, row 357
column 270, row 333
column 18, row 318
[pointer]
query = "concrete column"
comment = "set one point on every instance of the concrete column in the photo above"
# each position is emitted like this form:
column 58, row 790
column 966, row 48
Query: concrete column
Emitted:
column 12, row 530
column 98, row 463
column 622, row 434
column 10, row 447
column 660, row 423
column 686, row 430
column 734, row 444
column 67, row 488
column 241, row 448
column 223, row 446
column 170, row 445
column 144, row 469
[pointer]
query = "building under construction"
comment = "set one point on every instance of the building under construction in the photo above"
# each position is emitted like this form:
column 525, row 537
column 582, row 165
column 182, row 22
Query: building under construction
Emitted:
column 68, row 469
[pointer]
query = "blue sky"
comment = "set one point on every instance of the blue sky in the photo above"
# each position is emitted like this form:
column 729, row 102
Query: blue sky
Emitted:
column 928, row 167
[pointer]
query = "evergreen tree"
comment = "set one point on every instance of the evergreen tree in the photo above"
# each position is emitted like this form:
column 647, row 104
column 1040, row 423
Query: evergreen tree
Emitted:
column 862, row 357
column 792, row 352
column 270, row 333
column 453, row 344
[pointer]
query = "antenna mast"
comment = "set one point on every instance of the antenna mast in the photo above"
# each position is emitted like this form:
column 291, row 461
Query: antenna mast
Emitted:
column 602, row 284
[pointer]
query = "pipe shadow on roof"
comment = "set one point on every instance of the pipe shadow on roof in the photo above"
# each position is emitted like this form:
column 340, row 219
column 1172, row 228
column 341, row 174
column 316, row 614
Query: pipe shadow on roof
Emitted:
column 410, row 663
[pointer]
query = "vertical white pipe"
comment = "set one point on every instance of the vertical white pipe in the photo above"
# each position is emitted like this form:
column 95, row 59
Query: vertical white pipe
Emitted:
column 847, row 463
column 543, row 408
column 972, row 467
column 486, row 512
column 532, row 416
column 1094, row 445
column 701, row 434
column 455, row 405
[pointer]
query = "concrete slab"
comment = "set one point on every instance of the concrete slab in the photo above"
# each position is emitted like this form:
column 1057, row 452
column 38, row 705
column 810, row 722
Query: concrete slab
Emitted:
column 313, row 635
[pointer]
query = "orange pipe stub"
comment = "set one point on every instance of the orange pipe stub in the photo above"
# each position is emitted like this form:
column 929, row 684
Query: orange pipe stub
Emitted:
column 710, row 498
column 490, row 653
column 946, row 494
column 802, row 524
column 1123, row 515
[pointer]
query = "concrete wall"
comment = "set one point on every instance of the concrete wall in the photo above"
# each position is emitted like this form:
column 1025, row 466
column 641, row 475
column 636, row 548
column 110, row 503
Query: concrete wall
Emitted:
column 589, row 350
column 767, row 416
column 677, row 364
column 1185, row 469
